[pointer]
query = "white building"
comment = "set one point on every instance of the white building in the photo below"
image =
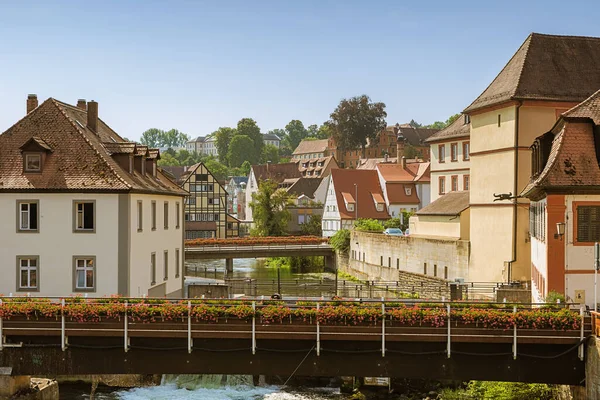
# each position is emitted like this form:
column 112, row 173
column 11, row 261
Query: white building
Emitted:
column 272, row 139
column 83, row 211
column 405, row 186
column 450, row 158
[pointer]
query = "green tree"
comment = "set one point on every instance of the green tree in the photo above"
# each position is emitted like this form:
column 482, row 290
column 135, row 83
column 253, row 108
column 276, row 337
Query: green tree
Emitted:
column 223, row 135
column 357, row 120
column 219, row 170
column 340, row 241
column 313, row 226
column 295, row 133
column 270, row 153
column 312, row 130
column 241, row 148
column 152, row 137
column 248, row 127
column 167, row 160
column 173, row 138
column 245, row 168
column 324, row 132
column 269, row 210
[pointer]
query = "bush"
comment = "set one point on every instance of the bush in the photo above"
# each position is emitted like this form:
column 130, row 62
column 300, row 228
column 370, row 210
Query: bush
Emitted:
column 341, row 241
column 368, row 225
column 552, row 297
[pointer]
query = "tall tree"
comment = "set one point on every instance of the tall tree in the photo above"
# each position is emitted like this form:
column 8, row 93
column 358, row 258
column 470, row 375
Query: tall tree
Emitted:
column 219, row 170
column 269, row 210
column 270, row 154
column 357, row 120
column 173, row 138
column 324, row 132
column 295, row 133
column 241, row 149
column 223, row 136
column 152, row 137
column 312, row 130
column 248, row 127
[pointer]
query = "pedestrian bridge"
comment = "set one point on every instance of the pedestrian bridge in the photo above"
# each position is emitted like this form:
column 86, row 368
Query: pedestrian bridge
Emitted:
column 322, row 338
column 257, row 251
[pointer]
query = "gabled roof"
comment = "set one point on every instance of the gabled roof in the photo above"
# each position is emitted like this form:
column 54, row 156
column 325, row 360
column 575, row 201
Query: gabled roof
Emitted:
column 450, row 204
column 414, row 136
column 414, row 172
column 367, row 187
column 397, row 193
column 306, row 186
column 546, row 67
column 276, row 172
column 572, row 162
column 311, row 146
column 79, row 160
column 36, row 142
column 270, row 136
column 457, row 129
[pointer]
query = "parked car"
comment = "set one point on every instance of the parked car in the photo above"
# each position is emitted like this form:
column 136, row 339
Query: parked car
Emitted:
column 406, row 232
column 393, row 232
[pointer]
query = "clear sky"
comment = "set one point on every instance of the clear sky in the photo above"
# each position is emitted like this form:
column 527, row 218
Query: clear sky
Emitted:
column 199, row 65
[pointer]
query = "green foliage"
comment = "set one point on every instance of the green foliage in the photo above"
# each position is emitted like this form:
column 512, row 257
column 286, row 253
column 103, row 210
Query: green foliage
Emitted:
column 553, row 297
column 240, row 150
column 295, row 132
column 223, row 136
column 158, row 138
column 368, row 225
column 167, row 159
column 411, row 151
column 270, row 154
column 437, row 124
column 248, row 127
column 357, row 120
column 501, row 391
column 398, row 222
column 218, row 170
column 245, row 168
column 313, row 226
column 340, row 241
column 344, row 276
column 269, row 209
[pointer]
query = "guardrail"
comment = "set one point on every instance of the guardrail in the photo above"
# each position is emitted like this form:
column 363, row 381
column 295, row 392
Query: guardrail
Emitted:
column 229, row 248
column 379, row 321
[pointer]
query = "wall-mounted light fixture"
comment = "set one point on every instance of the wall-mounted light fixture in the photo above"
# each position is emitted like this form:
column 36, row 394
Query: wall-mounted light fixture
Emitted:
column 560, row 230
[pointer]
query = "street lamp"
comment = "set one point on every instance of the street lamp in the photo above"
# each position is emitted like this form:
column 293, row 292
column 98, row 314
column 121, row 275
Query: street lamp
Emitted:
column 356, row 201
column 560, row 230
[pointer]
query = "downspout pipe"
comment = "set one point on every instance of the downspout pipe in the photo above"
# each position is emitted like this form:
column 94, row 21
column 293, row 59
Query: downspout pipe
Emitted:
column 515, row 189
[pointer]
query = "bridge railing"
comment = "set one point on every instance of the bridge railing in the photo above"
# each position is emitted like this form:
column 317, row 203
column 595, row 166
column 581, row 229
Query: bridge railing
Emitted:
column 380, row 321
column 261, row 247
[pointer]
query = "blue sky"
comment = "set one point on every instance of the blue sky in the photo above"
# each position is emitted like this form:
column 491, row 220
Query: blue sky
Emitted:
column 196, row 66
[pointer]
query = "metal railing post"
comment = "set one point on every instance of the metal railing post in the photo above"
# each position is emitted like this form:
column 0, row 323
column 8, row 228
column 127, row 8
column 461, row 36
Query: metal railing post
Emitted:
column 253, row 327
column 318, row 332
column 581, row 348
column 126, row 331
column 514, row 332
column 1, row 332
column 63, row 334
column 190, row 342
column 382, row 327
column 448, row 350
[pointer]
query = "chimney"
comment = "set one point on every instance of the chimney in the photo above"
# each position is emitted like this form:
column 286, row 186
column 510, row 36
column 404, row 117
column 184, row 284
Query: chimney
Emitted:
column 32, row 102
column 403, row 161
column 92, row 116
column 81, row 104
column 400, row 146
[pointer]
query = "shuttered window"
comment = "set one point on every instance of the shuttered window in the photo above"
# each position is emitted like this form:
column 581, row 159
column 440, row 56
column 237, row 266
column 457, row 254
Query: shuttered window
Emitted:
column 588, row 223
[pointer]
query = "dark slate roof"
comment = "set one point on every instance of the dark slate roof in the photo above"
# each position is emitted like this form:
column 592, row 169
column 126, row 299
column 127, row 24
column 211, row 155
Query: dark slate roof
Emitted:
column 238, row 180
column 546, row 67
column 306, row 186
column 457, row 129
column 80, row 159
column 276, row 172
column 270, row 136
column 416, row 136
column 452, row 203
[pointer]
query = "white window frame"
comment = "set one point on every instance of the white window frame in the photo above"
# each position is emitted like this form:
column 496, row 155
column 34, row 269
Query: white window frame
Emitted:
column 28, row 268
column 88, row 264
column 28, row 158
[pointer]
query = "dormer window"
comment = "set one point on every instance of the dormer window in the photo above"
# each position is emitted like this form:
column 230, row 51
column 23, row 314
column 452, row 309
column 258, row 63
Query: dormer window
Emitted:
column 379, row 206
column 407, row 191
column 33, row 162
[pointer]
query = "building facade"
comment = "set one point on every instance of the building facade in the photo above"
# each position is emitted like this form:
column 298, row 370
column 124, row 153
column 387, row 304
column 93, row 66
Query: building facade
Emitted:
column 91, row 212
column 538, row 83
column 450, row 158
column 405, row 186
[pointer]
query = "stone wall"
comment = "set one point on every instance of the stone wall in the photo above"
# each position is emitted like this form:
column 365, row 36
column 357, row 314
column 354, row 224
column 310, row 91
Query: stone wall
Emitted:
column 376, row 256
column 592, row 369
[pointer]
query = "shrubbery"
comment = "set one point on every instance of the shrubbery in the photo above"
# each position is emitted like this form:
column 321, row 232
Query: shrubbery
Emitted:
column 368, row 225
column 341, row 241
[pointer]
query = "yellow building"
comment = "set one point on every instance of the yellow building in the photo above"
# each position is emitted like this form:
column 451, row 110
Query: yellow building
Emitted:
column 546, row 76
column 206, row 206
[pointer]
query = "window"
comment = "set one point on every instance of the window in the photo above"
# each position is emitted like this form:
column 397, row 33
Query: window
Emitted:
column 454, row 181
column 140, row 216
column 191, row 201
column 153, row 269
column 407, row 191
column 350, row 206
column 153, row 215
column 166, row 214
column 177, row 263
column 389, row 262
column 434, row 269
column 442, row 153
column 85, row 218
column 588, row 223
column 33, row 162
column 28, row 273
column 445, row 272
column 166, row 265
column 379, row 206
column 466, row 182
column 466, row 151
column 454, row 152
column 397, row 263
column 382, row 261
column 202, row 177
column 300, row 218
column 177, row 216
column 84, row 273
column 27, row 216
column 213, row 201
column 424, row 268
column 442, row 185
column 499, row 120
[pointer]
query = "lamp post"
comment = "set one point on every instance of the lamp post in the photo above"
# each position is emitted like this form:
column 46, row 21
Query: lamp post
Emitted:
column 356, row 201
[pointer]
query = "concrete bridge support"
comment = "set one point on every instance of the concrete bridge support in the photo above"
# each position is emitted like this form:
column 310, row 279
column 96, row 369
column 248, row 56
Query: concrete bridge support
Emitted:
column 11, row 385
column 229, row 266
column 330, row 264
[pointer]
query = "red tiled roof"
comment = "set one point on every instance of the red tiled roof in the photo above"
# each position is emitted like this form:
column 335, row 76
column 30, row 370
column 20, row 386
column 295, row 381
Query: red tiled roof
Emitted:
column 348, row 198
column 414, row 172
column 79, row 160
column 457, row 129
column 396, row 193
column 311, row 146
column 368, row 186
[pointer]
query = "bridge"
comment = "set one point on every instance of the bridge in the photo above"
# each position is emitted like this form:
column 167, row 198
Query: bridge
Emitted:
column 317, row 338
column 231, row 251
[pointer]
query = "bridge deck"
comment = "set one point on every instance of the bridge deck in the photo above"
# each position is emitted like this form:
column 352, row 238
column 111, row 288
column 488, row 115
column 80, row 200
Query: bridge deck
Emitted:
column 245, row 251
